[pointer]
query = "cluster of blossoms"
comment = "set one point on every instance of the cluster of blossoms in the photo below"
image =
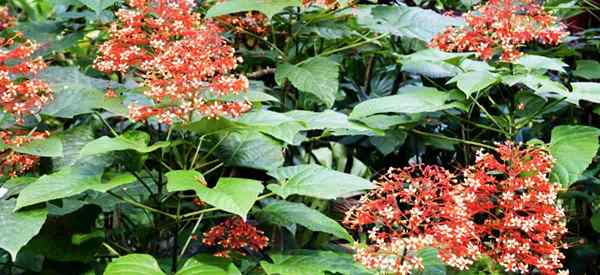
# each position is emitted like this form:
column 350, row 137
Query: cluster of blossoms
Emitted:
column 20, row 95
column 504, row 207
column 13, row 163
column 502, row 26
column 6, row 20
column 252, row 21
column 184, row 61
column 235, row 234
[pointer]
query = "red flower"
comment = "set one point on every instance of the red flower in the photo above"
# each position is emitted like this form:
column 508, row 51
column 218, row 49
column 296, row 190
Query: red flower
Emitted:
column 24, row 95
column 504, row 208
column 235, row 234
column 6, row 20
column 13, row 163
column 503, row 26
column 184, row 62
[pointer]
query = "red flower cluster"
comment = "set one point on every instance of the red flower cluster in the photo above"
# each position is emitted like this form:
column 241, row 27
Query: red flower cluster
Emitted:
column 13, row 163
column 504, row 26
column 21, row 95
column 6, row 20
column 252, row 21
column 235, row 234
column 504, row 208
column 184, row 62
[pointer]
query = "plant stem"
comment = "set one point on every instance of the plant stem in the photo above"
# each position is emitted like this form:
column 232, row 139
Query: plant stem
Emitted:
column 474, row 143
column 132, row 202
column 330, row 52
column 189, row 239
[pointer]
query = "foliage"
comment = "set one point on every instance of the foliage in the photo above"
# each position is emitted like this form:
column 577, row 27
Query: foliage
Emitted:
column 261, row 136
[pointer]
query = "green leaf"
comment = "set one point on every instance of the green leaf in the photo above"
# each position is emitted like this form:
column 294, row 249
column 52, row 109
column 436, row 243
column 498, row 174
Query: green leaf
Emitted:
column 69, row 181
column 316, row 181
column 134, row 264
column 268, row 7
column 432, row 63
column 317, row 76
column 588, row 69
column 284, row 213
column 535, row 62
column 474, row 81
column 541, row 84
column 105, row 144
column 573, row 148
column 208, row 265
column 595, row 220
column 17, row 228
column 49, row 147
column 251, row 149
column 233, row 195
column 588, row 91
column 314, row 262
column 407, row 22
column 98, row 5
column 433, row 265
column 76, row 93
column 409, row 100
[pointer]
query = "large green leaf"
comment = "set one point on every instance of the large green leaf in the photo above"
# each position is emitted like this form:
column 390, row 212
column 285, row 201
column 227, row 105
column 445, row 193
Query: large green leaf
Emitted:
column 208, row 265
column 541, row 84
column 106, row 144
column 134, row 264
column 588, row 69
column 250, row 148
column 49, row 147
column 409, row 22
column 573, row 148
column 69, row 181
column 409, row 100
column 314, row 262
column 76, row 93
column 17, row 228
column 284, row 213
column 474, row 81
column 98, row 5
column 318, row 76
column 536, row 62
column 233, row 195
column 432, row 63
column 431, row 263
column 268, row 7
column 316, row 181
column 588, row 91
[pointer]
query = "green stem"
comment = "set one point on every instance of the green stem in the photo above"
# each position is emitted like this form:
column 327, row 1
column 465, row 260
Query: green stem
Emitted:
column 189, row 239
column 330, row 52
column 474, row 143
column 132, row 202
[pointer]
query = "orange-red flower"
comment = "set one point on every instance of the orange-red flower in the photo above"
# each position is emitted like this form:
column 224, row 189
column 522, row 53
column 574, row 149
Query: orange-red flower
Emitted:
column 20, row 93
column 235, row 234
column 13, row 163
column 6, row 20
column 504, row 208
column 184, row 62
column 252, row 21
column 502, row 26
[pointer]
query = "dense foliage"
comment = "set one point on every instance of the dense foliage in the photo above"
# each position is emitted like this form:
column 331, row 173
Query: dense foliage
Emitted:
column 299, row 137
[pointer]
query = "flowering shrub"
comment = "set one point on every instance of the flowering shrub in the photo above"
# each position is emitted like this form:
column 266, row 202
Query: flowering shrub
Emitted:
column 502, row 26
column 180, row 58
column 235, row 235
column 504, row 208
column 133, row 139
